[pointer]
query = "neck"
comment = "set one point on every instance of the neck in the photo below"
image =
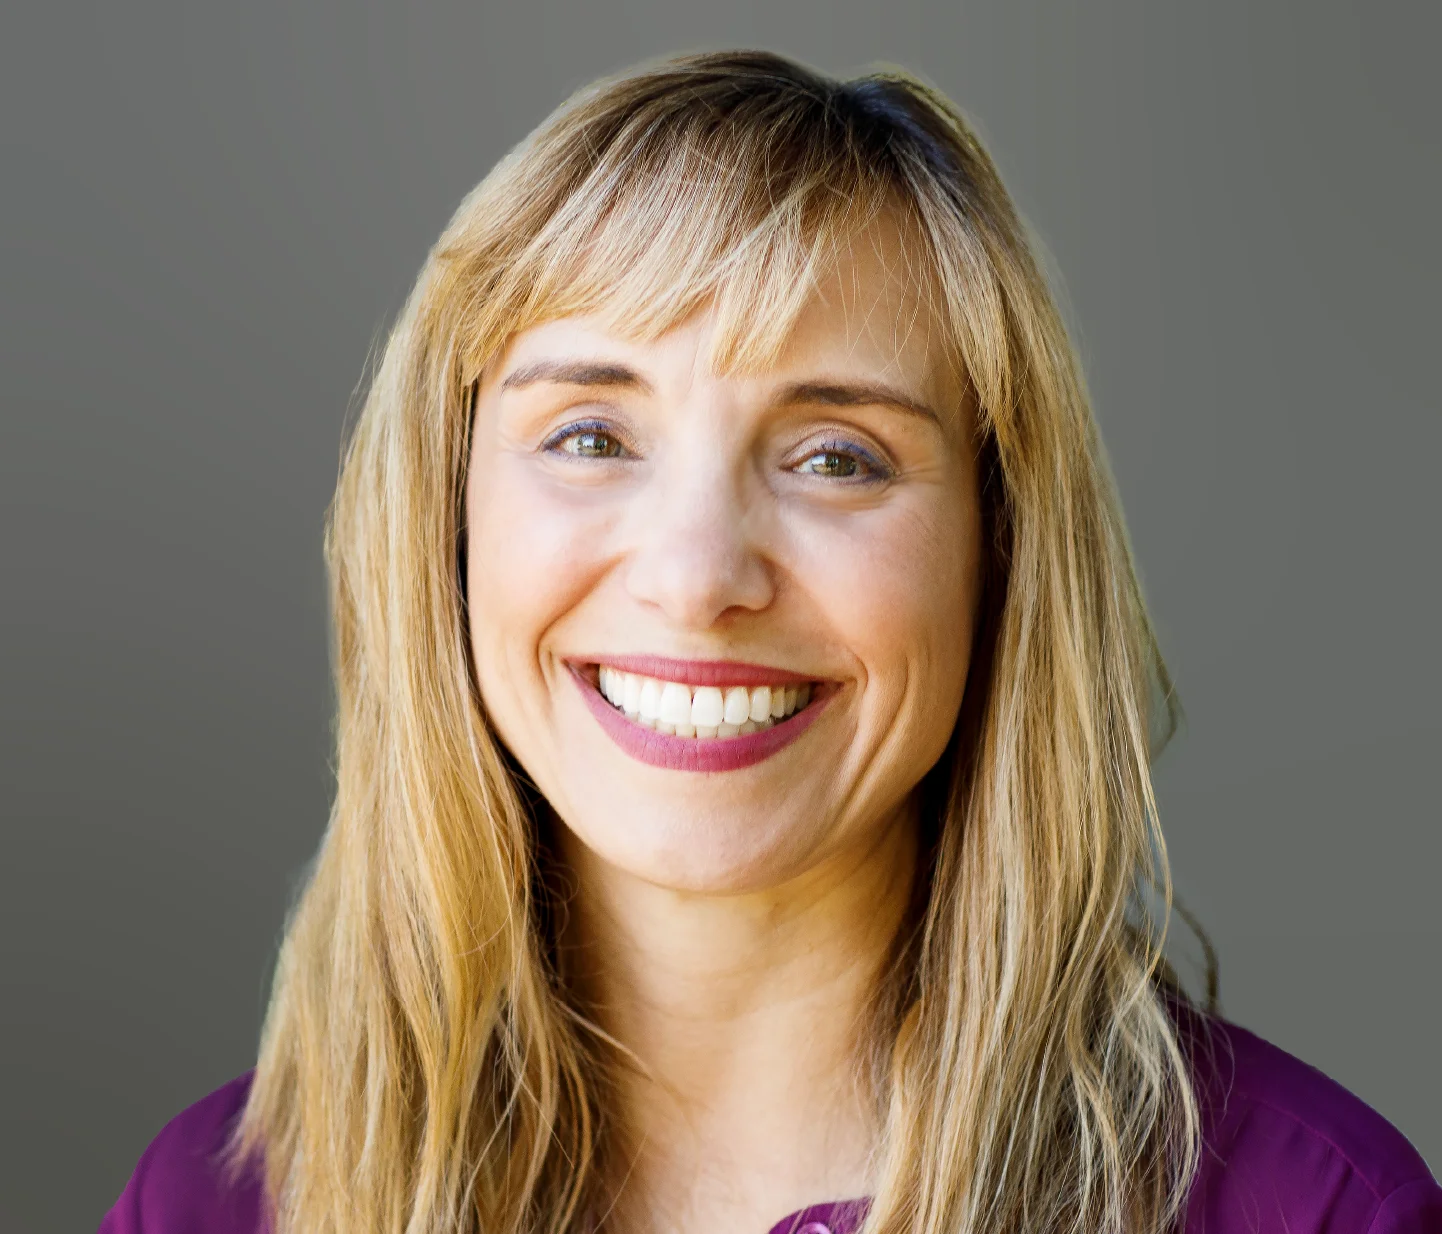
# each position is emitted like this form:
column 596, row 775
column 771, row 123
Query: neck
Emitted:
column 744, row 1018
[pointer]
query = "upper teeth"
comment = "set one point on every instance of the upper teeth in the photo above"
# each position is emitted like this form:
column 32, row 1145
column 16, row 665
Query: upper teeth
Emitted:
column 700, row 711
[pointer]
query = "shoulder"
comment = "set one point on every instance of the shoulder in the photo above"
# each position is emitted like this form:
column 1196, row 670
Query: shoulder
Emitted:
column 1288, row 1149
column 181, row 1184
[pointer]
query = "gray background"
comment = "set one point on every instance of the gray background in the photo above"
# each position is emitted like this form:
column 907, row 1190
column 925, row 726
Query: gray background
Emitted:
column 211, row 212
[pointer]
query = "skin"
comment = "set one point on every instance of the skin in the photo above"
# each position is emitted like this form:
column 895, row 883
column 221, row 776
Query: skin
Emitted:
column 728, row 927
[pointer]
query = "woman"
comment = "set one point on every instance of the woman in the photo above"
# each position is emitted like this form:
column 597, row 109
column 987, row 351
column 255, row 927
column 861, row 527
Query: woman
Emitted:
column 746, row 705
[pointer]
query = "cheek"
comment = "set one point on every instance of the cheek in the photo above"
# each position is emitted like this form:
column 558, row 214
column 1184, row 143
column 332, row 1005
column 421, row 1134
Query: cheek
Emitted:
column 531, row 558
column 899, row 589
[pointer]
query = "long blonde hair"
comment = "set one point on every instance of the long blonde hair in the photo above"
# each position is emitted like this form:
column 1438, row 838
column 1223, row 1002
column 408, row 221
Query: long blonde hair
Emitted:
column 423, row 1067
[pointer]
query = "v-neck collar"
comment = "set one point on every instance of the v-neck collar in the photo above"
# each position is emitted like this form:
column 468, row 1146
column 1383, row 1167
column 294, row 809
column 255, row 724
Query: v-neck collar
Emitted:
column 837, row 1217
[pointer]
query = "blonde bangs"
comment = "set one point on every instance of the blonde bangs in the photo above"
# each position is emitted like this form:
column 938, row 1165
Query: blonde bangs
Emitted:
column 681, row 231
column 686, row 211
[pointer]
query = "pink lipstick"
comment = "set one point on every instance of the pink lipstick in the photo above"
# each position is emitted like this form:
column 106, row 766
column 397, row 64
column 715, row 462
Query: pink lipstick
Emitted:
column 704, row 754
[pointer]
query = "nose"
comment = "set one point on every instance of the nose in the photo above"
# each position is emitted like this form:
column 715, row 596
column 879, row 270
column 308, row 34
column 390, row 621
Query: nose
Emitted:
column 695, row 554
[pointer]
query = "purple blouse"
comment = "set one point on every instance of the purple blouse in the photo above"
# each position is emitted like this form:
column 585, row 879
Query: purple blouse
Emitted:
column 1286, row 1151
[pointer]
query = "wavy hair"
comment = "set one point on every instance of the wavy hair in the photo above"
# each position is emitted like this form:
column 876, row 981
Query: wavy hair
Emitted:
column 423, row 1066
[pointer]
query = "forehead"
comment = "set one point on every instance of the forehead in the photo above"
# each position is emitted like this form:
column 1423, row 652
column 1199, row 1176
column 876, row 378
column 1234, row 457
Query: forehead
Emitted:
column 871, row 309
column 865, row 312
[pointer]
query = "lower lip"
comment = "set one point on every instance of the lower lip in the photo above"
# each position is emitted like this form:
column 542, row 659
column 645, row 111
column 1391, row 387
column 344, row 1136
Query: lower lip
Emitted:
column 646, row 745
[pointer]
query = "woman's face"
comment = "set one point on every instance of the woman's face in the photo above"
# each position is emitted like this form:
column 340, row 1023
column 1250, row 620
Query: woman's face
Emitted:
column 711, row 540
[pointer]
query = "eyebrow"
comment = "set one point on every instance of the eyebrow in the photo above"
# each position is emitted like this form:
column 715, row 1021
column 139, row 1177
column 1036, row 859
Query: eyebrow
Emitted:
column 854, row 394
column 621, row 376
column 577, row 373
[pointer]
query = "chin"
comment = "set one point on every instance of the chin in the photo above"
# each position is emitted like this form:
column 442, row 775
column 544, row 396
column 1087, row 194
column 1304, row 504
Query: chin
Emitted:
column 703, row 856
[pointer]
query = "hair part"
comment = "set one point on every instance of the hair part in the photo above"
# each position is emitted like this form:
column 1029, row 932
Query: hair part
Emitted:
column 423, row 1066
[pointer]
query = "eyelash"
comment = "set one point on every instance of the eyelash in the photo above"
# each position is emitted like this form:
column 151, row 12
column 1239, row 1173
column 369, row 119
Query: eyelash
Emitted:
column 877, row 470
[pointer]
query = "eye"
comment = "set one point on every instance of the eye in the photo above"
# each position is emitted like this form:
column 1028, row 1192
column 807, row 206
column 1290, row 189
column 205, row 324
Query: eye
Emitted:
column 592, row 439
column 845, row 461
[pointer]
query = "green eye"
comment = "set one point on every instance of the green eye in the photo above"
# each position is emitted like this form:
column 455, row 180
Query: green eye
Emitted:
column 841, row 460
column 582, row 441
column 594, row 445
column 832, row 465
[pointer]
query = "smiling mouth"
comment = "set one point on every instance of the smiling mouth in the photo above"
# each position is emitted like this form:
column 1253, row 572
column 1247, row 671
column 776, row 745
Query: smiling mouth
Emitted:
column 676, row 709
